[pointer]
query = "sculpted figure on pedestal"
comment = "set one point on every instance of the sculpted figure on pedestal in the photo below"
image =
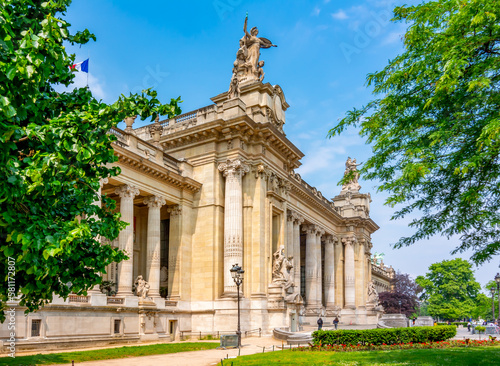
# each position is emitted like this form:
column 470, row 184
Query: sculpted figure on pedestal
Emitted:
column 247, row 66
column 351, row 169
column 372, row 294
column 141, row 287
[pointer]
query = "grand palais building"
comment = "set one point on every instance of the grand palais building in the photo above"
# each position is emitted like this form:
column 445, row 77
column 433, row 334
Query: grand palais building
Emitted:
column 206, row 190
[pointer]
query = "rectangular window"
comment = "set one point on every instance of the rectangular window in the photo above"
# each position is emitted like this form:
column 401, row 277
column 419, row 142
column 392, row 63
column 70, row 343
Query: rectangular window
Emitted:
column 117, row 326
column 36, row 326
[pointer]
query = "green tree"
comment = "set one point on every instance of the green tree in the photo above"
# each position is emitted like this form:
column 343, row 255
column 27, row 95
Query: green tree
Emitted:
column 54, row 150
column 450, row 289
column 435, row 126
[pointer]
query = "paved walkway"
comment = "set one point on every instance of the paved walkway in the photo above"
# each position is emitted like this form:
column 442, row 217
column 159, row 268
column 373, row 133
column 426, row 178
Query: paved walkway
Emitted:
column 195, row 358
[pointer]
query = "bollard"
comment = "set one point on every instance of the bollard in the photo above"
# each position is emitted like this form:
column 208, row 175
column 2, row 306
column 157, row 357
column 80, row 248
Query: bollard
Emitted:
column 263, row 348
column 239, row 350
column 273, row 347
column 221, row 362
column 72, row 363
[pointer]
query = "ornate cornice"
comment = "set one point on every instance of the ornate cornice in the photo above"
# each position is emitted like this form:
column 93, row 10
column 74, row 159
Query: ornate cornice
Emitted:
column 147, row 167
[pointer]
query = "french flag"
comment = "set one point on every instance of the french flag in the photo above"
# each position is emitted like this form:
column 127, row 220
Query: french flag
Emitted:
column 81, row 66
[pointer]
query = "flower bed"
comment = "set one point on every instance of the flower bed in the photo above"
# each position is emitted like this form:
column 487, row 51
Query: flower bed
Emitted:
column 389, row 347
column 384, row 336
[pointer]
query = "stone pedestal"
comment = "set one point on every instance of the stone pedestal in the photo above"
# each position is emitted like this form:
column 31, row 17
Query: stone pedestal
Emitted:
column 424, row 321
column 98, row 299
column 394, row 320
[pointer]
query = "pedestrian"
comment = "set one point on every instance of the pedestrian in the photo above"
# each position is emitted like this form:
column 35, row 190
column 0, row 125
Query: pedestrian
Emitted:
column 468, row 326
column 414, row 321
column 320, row 323
column 336, row 322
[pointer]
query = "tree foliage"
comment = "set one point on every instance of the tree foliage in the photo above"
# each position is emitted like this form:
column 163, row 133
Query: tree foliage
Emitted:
column 435, row 128
column 450, row 289
column 54, row 150
column 404, row 296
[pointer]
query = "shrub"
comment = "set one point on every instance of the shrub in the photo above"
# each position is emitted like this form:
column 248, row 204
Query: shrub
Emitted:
column 480, row 328
column 384, row 336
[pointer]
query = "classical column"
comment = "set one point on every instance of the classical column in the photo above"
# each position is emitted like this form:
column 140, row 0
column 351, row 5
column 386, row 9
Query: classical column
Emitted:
column 127, row 193
column 298, row 220
column 174, row 252
column 329, row 271
column 289, row 234
column 154, row 204
column 311, row 266
column 319, row 274
column 233, row 220
column 350, row 288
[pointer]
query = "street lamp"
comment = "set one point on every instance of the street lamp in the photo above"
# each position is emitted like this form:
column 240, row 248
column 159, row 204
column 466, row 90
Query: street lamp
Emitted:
column 493, row 290
column 399, row 301
column 237, row 274
column 497, row 280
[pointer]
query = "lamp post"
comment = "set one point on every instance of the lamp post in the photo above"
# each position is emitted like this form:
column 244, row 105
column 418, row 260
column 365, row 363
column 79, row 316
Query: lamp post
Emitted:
column 237, row 274
column 493, row 290
column 497, row 280
column 399, row 301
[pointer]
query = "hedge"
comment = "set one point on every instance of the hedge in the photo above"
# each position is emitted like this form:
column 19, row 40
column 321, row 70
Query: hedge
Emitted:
column 454, row 323
column 384, row 336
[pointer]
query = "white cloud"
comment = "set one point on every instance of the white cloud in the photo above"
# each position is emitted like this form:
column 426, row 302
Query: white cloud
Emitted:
column 340, row 15
column 316, row 11
column 392, row 38
column 80, row 81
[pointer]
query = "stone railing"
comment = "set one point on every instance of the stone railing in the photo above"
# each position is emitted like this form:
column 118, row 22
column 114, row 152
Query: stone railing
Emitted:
column 116, row 301
column 120, row 135
column 383, row 271
column 181, row 122
column 78, row 299
column 313, row 190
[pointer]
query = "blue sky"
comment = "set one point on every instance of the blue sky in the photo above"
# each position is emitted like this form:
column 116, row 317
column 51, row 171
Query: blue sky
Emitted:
column 325, row 50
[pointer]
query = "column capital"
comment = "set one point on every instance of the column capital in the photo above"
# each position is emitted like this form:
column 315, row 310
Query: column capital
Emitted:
column 127, row 191
column 233, row 166
column 154, row 201
column 103, row 181
column 174, row 210
column 320, row 231
column 349, row 240
column 331, row 239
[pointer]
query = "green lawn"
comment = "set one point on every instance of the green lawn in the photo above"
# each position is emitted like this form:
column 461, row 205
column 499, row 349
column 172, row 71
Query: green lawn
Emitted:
column 105, row 354
column 445, row 357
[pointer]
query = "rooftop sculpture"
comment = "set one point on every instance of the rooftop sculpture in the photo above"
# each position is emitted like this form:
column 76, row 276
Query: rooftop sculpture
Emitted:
column 247, row 66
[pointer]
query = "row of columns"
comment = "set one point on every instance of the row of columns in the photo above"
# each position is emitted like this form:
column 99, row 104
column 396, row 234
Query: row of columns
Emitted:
column 234, row 171
column 127, row 193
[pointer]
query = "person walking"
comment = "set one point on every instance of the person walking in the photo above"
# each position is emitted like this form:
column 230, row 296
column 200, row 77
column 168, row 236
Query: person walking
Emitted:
column 320, row 323
column 336, row 322
column 468, row 326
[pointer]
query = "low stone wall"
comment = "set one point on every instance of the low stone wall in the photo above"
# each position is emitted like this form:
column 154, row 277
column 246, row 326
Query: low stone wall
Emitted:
column 293, row 338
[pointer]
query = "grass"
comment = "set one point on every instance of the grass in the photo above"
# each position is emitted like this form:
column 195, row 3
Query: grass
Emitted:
column 106, row 354
column 422, row 357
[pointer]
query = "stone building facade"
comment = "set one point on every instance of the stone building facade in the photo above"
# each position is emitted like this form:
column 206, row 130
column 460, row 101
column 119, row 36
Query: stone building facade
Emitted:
column 206, row 190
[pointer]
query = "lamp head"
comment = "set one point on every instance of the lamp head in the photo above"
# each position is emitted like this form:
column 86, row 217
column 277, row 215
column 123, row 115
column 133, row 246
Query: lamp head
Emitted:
column 497, row 278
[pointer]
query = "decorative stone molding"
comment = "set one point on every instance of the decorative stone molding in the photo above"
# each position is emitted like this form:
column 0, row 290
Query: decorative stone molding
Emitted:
column 174, row 210
column 155, row 131
column 233, row 167
column 154, row 201
column 127, row 191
